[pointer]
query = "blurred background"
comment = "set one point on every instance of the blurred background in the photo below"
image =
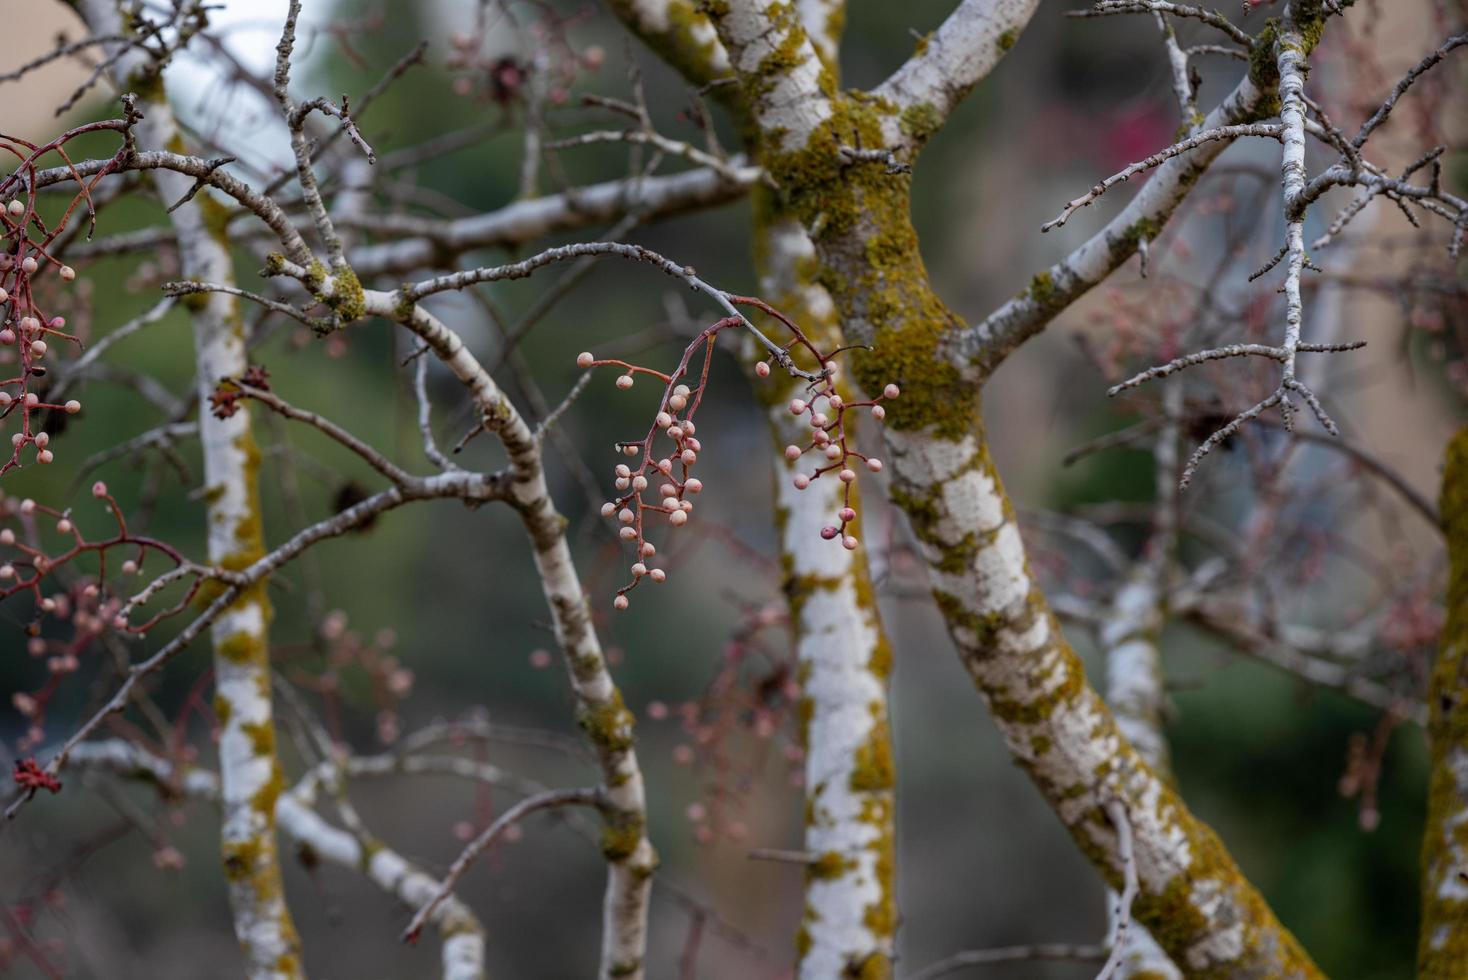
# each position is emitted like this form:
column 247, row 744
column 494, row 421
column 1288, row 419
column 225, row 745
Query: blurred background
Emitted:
column 448, row 592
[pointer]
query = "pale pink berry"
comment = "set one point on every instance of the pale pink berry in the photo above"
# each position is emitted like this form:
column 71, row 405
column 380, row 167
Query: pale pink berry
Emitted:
column 694, row 444
column 835, row 401
column 849, row 542
column 821, row 437
column 639, row 483
column 657, row 710
column 7, row 536
column 678, row 518
column 664, row 420
column 846, row 514
column 16, row 209
column 119, row 622
column 629, row 533
column 28, row 265
column 657, row 575
column 846, row 476
column 829, row 531
column 3, row 295
column 38, row 348
column 620, row 602
column 7, row 336
column 874, row 464
column 667, row 490
column 665, row 466
column 629, row 450
column 688, row 456
column 624, row 382
column 67, row 273
column 792, row 453
column 648, row 548
column 801, row 481
column 584, row 359
column 129, row 567
column 677, row 403
column 63, row 526
column 878, row 412
column 42, row 439
column 32, row 399
column 694, row 485
column 607, row 509
column 72, row 407
column 819, row 420
column 622, row 470
column 639, row 569
column 833, row 452
column 682, row 391
column 7, row 571
column 626, row 516
column 45, row 456
column 891, row 391
column 686, row 505
column 17, row 439
column 762, row 370
column 797, row 406
column 5, row 399
column 621, row 483
column 27, row 507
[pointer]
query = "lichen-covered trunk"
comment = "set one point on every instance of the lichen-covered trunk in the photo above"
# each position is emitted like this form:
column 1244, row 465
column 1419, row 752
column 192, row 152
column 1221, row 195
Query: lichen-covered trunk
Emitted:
column 1194, row 900
column 250, row 778
column 844, row 660
column 1134, row 689
column 1443, row 948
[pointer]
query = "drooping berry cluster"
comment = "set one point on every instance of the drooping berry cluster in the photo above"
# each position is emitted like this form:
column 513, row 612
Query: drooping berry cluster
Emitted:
column 26, row 329
column 830, row 438
column 665, row 457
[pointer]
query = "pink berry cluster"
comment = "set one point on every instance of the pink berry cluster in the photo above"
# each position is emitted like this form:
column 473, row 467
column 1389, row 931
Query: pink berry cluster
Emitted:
column 68, row 616
column 827, row 414
column 660, row 482
column 25, row 330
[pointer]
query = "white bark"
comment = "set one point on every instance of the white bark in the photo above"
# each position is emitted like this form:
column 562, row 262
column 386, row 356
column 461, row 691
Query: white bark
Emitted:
column 844, row 660
column 600, row 710
column 249, row 769
column 462, row 956
column 955, row 57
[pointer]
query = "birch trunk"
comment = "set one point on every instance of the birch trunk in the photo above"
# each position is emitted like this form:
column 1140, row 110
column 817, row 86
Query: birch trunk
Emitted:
column 250, row 777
